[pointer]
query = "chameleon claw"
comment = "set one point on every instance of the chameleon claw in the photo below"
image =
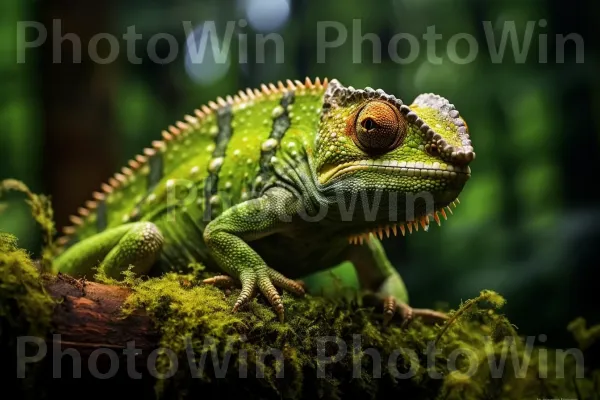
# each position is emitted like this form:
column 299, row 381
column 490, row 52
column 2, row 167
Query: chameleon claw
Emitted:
column 280, row 312
column 224, row 281
column 278, row 279
column 268, row 289
column 391, row 307
column 244, row 299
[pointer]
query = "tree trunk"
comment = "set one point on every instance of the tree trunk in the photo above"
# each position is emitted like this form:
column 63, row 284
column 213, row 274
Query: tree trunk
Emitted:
column 77, row 95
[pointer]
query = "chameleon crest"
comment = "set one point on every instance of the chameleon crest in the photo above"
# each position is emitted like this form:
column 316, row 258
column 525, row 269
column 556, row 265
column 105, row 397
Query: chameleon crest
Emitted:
column 270, row 185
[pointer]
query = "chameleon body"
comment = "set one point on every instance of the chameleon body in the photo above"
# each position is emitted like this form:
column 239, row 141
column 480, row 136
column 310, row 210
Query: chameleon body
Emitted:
column 276, row 183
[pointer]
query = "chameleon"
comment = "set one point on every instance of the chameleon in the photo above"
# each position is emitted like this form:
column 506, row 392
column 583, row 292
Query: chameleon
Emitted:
column 276, row 183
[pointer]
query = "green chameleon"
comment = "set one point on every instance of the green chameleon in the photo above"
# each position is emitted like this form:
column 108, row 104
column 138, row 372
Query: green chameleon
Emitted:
column 277, row 183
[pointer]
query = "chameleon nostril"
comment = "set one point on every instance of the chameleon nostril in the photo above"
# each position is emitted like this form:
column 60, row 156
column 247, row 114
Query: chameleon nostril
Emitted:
column 433, row 150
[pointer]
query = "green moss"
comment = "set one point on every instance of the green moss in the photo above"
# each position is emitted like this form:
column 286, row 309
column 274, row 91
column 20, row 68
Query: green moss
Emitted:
column 184, row 308
column 470, row 307
column 24, row 305
column 42, row 212
column 584, row 337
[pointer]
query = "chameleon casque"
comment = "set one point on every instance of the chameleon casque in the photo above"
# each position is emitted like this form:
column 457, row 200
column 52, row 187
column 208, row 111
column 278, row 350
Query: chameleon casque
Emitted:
column 276, row 183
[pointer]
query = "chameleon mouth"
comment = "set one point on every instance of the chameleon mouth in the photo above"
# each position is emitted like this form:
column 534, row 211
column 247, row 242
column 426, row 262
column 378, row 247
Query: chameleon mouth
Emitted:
column 409, row 226
column 399, row 168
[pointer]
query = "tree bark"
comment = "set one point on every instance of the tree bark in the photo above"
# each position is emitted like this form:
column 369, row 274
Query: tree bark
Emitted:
column 87, row 323
column 90, row 317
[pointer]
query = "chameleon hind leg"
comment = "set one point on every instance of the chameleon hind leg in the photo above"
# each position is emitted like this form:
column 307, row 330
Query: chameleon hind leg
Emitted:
column 136, row 244
column 227, row 235
column 376, row 274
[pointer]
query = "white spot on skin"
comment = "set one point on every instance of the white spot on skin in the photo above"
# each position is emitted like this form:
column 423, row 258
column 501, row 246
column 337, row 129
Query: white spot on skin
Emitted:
column 269, row 144
column 194, row 170
column 277, row 111
column 170, row 183
column 210, row 148
column 227, row 185
column 215, row 164
column 237, row 152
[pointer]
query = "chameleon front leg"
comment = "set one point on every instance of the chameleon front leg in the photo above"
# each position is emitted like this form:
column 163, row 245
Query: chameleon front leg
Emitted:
column 377, row 275
column 227, row 235
column 113, row 251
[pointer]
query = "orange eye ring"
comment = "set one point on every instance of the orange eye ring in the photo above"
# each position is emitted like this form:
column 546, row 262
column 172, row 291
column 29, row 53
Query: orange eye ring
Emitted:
column 377, row 127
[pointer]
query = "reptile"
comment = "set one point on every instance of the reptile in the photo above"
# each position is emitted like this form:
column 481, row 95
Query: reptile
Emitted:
column 275, row 183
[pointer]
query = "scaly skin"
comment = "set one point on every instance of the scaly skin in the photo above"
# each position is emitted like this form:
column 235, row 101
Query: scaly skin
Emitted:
column 272, row 185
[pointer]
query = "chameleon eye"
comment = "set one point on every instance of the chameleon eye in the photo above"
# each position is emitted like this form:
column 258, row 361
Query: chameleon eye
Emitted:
column 378, row 127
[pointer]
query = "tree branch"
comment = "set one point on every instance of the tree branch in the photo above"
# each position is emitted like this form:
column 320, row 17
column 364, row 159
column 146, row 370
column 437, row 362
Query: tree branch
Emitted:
column 90, row 317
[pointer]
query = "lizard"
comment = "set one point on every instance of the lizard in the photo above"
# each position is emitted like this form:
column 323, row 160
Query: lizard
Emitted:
column 278, row 182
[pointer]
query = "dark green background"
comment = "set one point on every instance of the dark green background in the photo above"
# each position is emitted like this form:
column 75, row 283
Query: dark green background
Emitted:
column 527, row 223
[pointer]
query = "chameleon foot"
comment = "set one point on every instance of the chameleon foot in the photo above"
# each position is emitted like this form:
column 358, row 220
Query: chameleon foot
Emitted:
column 391, row 306
column 265, row 280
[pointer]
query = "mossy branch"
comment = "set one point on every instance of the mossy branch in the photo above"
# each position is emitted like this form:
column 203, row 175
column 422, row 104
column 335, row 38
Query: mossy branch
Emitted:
column 42, row 212
column 469, row 307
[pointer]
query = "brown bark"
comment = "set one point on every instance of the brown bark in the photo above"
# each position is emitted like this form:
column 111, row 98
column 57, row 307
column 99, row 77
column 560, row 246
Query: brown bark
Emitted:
column 87, row 317
column 90, row 317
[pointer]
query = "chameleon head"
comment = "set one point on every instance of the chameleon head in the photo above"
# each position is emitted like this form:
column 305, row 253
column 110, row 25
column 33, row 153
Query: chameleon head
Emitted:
column 370, row 143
